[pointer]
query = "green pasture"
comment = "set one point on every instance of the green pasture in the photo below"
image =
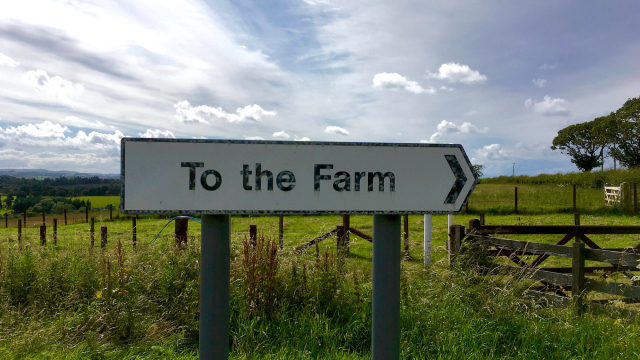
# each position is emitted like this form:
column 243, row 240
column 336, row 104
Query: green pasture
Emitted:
column 101, row 201
column 537, row 199
column 73, row 302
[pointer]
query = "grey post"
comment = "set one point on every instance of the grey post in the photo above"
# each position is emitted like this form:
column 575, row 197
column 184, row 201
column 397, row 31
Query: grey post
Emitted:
column 385, row 337
column 214, row 287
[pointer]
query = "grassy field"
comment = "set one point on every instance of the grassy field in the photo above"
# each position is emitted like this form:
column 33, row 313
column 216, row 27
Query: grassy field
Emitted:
column 101, row 201
column 72, row 302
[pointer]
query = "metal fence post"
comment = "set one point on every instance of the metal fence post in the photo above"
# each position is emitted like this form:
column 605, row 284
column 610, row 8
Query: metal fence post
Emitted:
column 385, row 328
column 214, row 287
column 427, row 241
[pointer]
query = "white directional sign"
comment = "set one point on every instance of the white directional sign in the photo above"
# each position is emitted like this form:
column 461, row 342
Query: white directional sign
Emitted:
column 242, row 177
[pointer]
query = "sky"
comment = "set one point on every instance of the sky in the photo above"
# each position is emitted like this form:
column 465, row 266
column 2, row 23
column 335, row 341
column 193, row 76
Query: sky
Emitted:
column 499, row 77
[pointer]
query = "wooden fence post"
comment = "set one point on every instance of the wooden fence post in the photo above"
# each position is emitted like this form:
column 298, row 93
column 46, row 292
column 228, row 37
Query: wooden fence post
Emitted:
column 346, row 223
column 103, row 237
column 456, row 233
column 55, row 232
column 91, row 230
column 135, row 240
column 25, row 219
column 86, row 213
column 281, row 231
column 181, row 230
column 19, row 231
column 577, row 276
column 516, row 199
column 626, row 196
column 576, row 219
column 407, row 256
column 574, row 198
column 110, row 211
column 43, row 235
column 253, row 234
column 340, row 239
column 65, row 216
column 482, row 219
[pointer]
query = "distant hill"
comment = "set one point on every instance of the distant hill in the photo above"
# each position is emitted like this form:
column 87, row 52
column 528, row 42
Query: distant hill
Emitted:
column 42, row 173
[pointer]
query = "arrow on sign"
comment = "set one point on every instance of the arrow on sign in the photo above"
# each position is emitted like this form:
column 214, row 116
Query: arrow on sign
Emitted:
column 461, row 179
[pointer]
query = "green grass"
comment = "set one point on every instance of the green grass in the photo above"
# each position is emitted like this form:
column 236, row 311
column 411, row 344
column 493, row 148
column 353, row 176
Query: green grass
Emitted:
column 101, row 201
column 148, row 302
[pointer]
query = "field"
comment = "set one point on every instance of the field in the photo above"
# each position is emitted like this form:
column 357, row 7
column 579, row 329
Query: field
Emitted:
column 102, row 201
column 72, row 302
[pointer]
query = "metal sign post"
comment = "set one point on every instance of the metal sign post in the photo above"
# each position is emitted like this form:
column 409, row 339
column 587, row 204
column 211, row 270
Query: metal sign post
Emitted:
column 217, row 178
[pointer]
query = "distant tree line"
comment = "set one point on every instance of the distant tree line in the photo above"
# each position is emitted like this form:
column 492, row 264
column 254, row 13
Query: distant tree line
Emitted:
column 49, row 205
column 53, row 195
column 61, row 187
column 616, row 135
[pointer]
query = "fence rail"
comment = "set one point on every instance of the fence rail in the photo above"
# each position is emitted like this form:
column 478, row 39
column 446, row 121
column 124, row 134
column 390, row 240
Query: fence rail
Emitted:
column 576, row 281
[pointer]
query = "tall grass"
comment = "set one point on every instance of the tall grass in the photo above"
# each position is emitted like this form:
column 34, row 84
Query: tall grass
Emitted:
column 120, row 303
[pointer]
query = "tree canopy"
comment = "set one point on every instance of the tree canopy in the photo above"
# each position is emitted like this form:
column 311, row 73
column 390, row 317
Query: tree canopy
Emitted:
column 616, row 134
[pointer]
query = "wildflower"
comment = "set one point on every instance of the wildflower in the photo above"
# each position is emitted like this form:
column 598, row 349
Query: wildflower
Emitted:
column 98, row 294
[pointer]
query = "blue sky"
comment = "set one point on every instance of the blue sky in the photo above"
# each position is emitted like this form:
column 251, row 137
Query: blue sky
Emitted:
column 500, row 78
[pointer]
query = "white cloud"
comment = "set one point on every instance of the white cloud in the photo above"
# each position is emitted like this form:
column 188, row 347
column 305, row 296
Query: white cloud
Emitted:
column 470, row 113
column 52, row 160
column 303, row 139
column 55, row 87
column 157, row 134
column 188, row 114
column 336, row 130
column 48, row 134
column 457, row 73
column 7, row 61
column 444, row 88
column 489, row 153
column 281, row 134
column 549, row 106
column 539, row 82
column 253, row 138
column 45, row 129
column 548, row 67
column 82, row 123
column 394, row 81
column 448, row 127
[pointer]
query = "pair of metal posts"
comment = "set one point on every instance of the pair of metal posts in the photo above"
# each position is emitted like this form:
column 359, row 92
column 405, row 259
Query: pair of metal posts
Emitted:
column 214, row 287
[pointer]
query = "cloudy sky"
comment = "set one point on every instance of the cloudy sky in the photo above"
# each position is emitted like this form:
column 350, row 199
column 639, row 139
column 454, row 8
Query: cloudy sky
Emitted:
column 500, row 78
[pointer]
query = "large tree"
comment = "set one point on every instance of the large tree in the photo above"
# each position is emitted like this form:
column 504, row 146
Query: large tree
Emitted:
column 626, row 134
column 584, row 142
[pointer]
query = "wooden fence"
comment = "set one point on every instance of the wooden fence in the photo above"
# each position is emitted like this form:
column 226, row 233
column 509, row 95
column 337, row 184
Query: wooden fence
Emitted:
column 559, row 279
